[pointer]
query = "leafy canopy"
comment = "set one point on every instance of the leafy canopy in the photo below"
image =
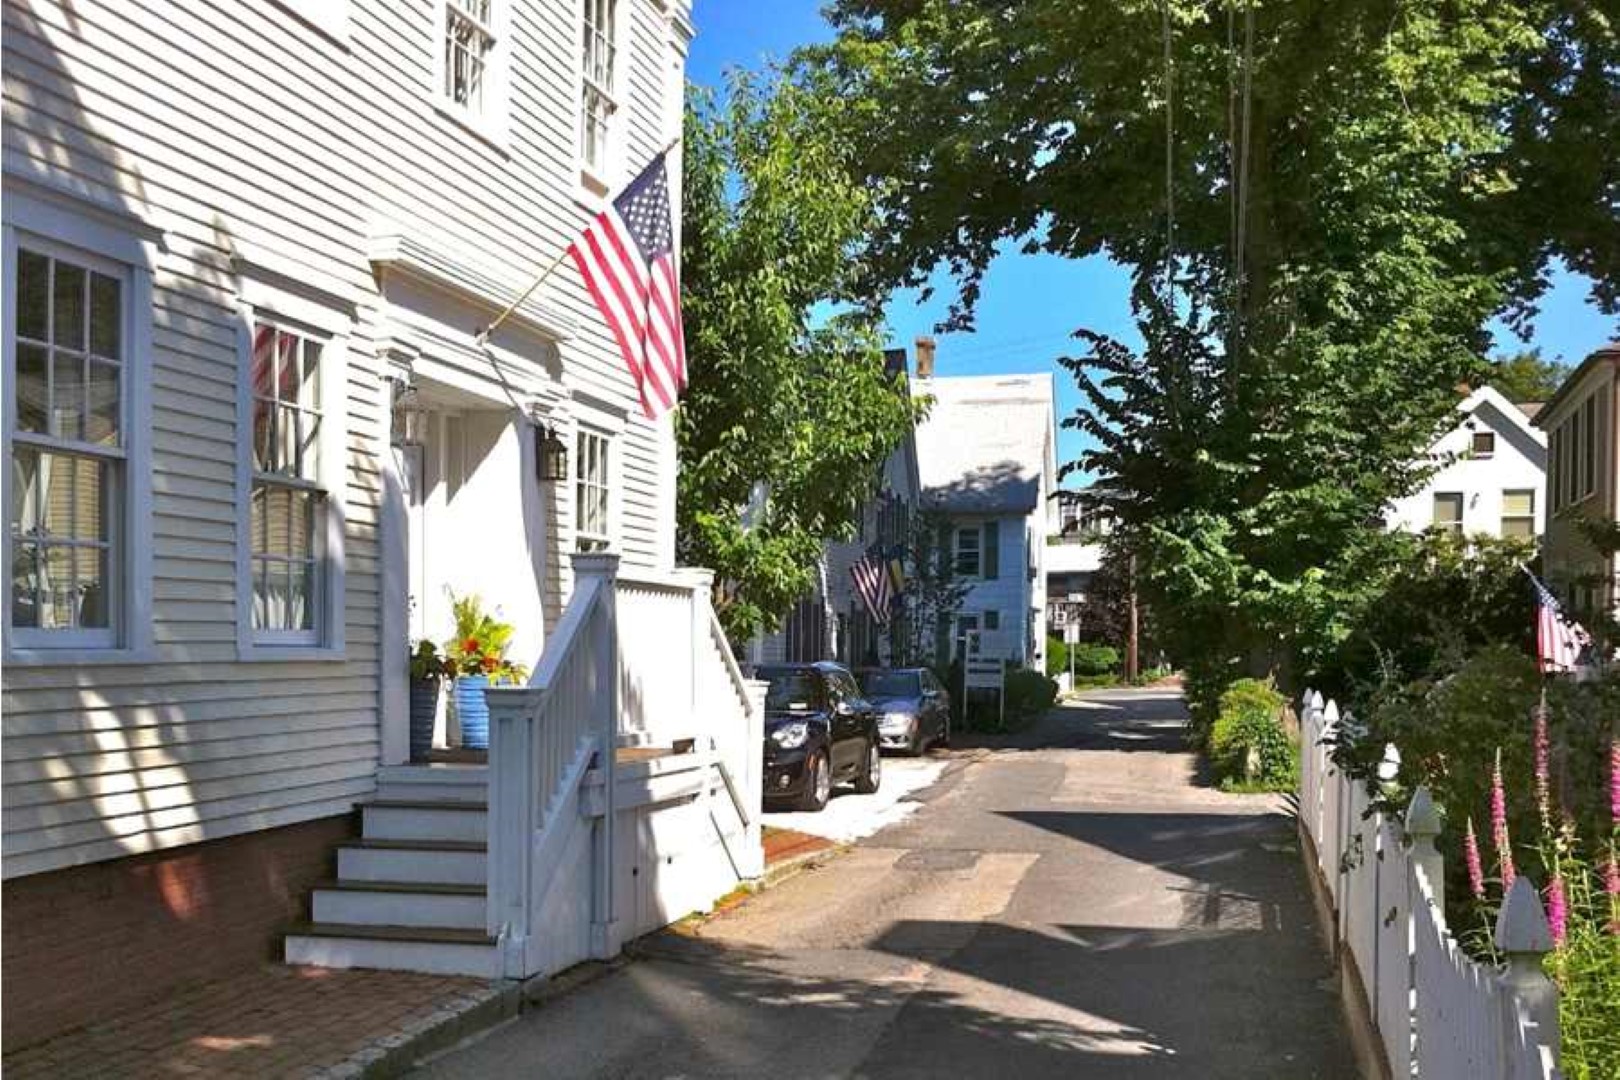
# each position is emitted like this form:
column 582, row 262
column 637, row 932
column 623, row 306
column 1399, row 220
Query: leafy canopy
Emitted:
column 786, row 421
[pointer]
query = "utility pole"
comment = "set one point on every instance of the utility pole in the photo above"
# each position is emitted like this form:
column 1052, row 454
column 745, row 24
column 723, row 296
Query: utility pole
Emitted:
column 1131, row 667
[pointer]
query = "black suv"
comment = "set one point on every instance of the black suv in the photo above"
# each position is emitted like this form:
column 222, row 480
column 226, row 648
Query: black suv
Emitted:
column 819, row 730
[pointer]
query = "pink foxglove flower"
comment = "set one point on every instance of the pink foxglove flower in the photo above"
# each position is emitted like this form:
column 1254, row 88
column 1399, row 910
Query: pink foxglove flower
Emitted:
column 1611, row 886
column 1476, row 872
column 1557, row 911
column 1499, row 826
column 1543, row 771
column 1614, row 780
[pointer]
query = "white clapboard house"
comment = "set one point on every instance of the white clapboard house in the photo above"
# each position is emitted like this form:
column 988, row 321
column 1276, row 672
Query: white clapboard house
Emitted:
column 254, row 445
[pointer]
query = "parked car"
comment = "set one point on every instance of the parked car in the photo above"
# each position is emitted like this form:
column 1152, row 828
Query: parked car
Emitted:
column 914, row 710
column 819, row 731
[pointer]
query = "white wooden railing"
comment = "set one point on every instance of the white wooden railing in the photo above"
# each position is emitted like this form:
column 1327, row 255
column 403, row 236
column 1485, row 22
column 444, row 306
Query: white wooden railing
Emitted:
column 637, row 660
column 1437, row 1013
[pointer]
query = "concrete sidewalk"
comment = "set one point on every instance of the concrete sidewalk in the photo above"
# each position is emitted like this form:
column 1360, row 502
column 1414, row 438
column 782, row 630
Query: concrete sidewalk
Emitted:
column 1075, row 904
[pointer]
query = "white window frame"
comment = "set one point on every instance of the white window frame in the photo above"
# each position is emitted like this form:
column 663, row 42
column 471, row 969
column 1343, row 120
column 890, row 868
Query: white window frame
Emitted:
column 1473, row 448
column 609, row 539
column 108, row 243
column 491, row 120
column 260, row 302
column 957, row 551
column 1529, row 517
column 597, row 181
column 1455, row 528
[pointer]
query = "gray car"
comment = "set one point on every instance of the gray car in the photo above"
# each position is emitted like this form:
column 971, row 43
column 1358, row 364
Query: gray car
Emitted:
column 913, row 709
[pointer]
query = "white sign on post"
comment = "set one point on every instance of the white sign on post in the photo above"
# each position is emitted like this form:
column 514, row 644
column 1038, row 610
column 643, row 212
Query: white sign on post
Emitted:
column 986, row 673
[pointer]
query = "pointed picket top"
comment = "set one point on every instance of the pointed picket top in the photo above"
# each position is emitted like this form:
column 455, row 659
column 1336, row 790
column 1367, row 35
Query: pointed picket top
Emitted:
column 1305, row 699
column 1330, row 716
column 1316, row 700
column 1423, row 819
column 1521, row 926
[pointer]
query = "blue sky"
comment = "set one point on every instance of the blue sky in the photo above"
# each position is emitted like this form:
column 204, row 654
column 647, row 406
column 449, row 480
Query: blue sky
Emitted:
column 1030, row 304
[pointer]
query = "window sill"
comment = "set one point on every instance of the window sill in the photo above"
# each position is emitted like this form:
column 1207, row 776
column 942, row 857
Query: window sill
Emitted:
column 78, row 657
column 593, row 191
column 271, row 654
column 492, row 134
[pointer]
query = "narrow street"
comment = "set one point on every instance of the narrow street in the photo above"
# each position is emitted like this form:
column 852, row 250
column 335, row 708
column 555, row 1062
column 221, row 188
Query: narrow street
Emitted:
column 1072, row 904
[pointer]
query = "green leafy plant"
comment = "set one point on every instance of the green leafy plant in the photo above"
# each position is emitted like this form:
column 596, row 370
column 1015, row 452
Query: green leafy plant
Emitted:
column 1248, row 745
column 1057, row 657
column 428, row 664
column 1029, row 693
column 1094, row 658
column 480, row 644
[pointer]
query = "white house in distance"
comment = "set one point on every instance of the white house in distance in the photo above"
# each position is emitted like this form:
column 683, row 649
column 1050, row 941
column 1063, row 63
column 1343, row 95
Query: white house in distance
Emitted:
column 254, row 444
column 987, row 458
column 1493, row 480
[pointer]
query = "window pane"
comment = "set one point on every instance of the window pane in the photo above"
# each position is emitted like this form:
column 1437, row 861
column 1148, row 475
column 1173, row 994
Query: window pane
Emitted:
column 54, row 485
column 257, row 518
column 33, row 295
column 67, row 397
column 1447, row 509
column 58, row 600
column 1518, row 503
column 261, row 596
column 106, row 316
column 301, row 596
column 68, row 294
column 102, row 424
column 89, row 497
column 32, row 388
column 309, row 446
column 90, row 581
column 264, row 434
column 1521, row 527
column 284, row 450
column 24, row 573
column 300, row 522
column 309, row 395
column 24, row 517
column 264, row 367
column 286, row 366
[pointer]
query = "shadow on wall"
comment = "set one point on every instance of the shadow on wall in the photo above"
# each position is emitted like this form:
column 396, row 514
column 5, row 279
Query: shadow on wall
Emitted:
column 989, row 488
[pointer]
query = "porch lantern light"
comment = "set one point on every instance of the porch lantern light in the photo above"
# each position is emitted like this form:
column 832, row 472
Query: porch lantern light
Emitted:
column 407, row 415
column 550, row 455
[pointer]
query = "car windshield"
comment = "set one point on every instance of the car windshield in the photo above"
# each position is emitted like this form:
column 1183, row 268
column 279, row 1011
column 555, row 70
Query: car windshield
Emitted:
column 890, row 683
column 792, row 690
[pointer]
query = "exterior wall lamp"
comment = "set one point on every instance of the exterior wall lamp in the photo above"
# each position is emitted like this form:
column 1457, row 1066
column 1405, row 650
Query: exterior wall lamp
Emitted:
column 550, row 455
column 408, row 415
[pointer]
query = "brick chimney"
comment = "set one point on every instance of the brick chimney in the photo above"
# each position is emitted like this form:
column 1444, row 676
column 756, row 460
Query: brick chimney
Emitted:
column 925, row 358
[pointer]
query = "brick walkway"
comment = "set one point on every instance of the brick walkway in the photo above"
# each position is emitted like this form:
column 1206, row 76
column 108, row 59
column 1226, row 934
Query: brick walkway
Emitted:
column 272, row 1021
column 784, row 844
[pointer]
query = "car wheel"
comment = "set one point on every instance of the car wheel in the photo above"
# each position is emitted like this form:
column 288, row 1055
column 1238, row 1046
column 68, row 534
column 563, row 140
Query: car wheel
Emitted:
column 818, row 788
column 918, row 743
column 871, row 774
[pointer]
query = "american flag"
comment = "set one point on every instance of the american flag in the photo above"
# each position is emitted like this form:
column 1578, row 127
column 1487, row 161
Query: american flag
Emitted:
column 627, row 258
column 1560, row 640
column 871, row 575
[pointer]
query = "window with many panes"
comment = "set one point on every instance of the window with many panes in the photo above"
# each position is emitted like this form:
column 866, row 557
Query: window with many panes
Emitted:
column 1448, row 512
column 967, row 552
column 288, row 503
column 68, row 447
column 596, row 104
column 1519, row 512
column 469, row 48
column 1483, row 444
column 592, row 492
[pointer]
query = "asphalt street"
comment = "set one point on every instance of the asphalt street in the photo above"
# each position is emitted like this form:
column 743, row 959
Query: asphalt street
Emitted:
column 1073, row 903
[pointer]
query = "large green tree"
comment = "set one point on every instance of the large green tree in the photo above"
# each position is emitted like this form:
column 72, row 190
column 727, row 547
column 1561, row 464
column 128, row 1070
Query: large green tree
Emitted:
column 1322, row 204
column 788, row 416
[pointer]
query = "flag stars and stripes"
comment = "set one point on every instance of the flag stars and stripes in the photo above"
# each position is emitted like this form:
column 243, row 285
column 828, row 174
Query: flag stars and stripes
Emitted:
column 872, row 581
column 1560, row 640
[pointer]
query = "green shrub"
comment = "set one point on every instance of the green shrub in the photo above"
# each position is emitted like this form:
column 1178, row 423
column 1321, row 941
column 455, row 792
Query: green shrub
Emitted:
column 1094, row 658
column 1248, row 745
column 1029, row 693
column 1057, row 656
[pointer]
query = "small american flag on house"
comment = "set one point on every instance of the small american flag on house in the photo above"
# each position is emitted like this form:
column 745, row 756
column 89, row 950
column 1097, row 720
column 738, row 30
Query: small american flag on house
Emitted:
column 1560, row 640
column 627, row 258
column 872, row 581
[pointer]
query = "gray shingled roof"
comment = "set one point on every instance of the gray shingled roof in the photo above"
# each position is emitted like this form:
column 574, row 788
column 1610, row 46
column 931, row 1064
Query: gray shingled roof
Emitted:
column 983, row 446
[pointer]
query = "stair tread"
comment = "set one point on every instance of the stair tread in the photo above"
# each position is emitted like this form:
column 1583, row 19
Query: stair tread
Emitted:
column 441, row 888
column 474, row 846
column 429, row 804
column 436, row 935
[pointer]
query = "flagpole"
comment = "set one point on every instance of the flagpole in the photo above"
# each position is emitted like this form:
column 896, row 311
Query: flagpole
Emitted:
column 483, row 335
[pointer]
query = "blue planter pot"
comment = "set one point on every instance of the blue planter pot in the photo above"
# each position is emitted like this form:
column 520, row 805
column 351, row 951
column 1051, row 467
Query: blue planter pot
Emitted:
column 472, row 709
column 424, row 710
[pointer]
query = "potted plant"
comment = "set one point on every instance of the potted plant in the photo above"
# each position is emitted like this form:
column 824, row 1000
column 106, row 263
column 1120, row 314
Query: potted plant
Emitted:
column 428, row 669
column 477, row 658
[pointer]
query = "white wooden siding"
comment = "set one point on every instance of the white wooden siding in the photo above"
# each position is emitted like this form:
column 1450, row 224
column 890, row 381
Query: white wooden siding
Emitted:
column 243, row 133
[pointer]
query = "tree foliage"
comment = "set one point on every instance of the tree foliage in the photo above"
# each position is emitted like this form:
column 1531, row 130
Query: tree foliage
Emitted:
column 1525, row 376
column 786, row 421
column 933, row 592
column 1318, row 295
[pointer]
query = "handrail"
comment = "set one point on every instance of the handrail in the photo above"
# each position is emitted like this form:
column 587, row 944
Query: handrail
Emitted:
column 717, row 633
column 567, row 633
column 731, row 789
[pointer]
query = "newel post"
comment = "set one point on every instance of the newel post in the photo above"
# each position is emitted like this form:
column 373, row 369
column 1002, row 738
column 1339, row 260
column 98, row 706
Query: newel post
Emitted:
column 602, row 569
column 1422, row 826
column 1524, row 938
column 754, row 782
column 513, row 819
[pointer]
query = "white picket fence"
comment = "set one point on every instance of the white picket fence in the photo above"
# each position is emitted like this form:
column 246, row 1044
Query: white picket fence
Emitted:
column 1438, row 1014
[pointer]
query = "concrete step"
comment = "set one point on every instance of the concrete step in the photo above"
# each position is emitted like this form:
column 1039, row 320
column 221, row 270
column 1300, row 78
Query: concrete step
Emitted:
column 442, row 862
column 460, row 783
column 437, row 951
column 400, row 903
column 424, row 819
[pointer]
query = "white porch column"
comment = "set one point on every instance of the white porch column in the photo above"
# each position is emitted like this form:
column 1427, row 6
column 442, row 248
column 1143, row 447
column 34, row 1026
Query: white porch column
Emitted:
column 604, row 568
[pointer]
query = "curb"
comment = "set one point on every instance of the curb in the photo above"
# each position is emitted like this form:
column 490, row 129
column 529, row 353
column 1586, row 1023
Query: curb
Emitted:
column 397, row 1053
